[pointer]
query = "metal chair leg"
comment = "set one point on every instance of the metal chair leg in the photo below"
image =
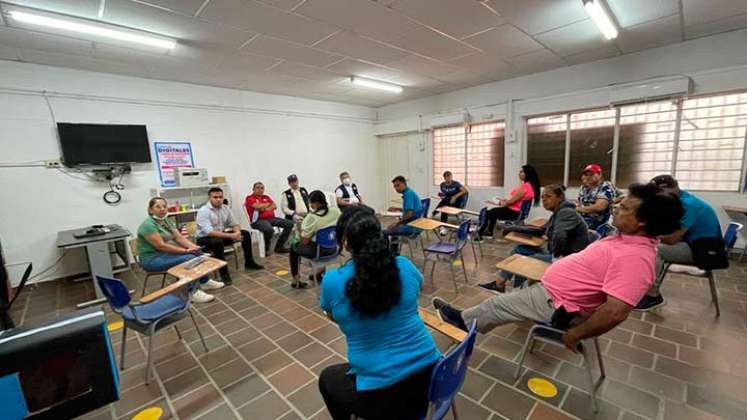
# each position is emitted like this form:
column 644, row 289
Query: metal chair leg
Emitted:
column 714, row 291
column 592, row 384
column 149, row 364
column 599, row 358
column 163, row 280
column 433, row 269
column 178, row 334
column 454, row 410
column 464, row 268
column 529, row 341
column 453, row 276
column 124, row 345
column 198, row 330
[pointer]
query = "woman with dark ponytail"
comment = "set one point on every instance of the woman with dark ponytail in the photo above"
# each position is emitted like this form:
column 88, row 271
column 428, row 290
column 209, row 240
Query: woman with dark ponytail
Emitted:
column 374, row 299
column 319, row 217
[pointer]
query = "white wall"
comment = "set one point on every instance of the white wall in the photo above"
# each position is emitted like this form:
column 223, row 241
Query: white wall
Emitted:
column 244, row 136
column 717, row 63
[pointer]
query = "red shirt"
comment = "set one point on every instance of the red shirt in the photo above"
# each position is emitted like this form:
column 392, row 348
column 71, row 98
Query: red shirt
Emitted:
column 262, row 199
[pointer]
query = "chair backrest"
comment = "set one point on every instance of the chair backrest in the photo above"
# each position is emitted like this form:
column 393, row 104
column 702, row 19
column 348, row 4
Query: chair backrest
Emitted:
column 255, row 214
column 526, row 207
column 463, row 201
column 426, row 204
column 603, row 230
column 730, row 236
column 448, row 375
column 483, row 217
column 115, row 291
column 594, row 236
column 463, row 231
column 24, row 279
column 134, row 248
column 327, row 237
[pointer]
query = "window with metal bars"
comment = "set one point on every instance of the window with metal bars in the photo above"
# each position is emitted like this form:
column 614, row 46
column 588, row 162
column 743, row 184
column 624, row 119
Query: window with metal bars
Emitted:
column 700, row 140
column 473, row 153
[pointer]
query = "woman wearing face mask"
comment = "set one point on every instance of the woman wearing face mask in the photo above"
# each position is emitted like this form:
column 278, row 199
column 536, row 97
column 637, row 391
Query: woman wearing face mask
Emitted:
column 347, row 193
column 161, row 246
column 319, row 217
column 566, row 233
column 374, row 299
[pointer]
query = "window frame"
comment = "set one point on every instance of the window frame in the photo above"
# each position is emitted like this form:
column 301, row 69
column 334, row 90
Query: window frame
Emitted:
column 467, row 129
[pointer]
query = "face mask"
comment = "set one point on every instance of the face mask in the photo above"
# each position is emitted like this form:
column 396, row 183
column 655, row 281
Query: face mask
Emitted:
column 160, row 219
column 347, row 182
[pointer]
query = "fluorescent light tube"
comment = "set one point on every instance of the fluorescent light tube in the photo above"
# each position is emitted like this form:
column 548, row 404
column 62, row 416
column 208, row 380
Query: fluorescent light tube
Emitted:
column 600, row 17
column 373, row 84
column 92, row 29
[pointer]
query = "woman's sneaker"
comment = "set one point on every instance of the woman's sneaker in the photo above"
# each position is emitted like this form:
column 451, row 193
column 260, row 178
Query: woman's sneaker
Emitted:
column 201, row 297
column 212, row 284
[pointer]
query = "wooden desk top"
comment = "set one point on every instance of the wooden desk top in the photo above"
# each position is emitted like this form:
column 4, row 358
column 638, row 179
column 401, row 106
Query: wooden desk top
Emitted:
column 392, row 213
column 524, row 239
column 537, row 222
column 521, row 265
column 735, row 209
column 444, row 328
column 185, row 276
column 454, row 211
column 430, row 224
column 474, row 213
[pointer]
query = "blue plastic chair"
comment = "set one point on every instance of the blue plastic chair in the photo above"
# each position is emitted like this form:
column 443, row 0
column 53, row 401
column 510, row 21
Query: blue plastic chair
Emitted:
column 730, row 237
column 594, row 236
column 482, row 218
column 448, row 376
column 449, row 251
column 412, row 239
column 426, row 204
column 604, row 229
column 148, row 318
column 325, row 238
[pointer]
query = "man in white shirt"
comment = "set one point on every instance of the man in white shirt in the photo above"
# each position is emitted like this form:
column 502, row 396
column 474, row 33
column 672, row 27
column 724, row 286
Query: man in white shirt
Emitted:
column 295, row 200
column 347, row 193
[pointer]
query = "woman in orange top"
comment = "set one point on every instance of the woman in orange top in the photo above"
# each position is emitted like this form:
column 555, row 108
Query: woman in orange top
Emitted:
column 509, row 209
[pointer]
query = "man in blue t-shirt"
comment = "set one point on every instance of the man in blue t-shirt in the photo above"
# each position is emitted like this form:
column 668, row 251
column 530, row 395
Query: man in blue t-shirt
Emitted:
column 411, row 209
column 453, row 194
column 699, row 221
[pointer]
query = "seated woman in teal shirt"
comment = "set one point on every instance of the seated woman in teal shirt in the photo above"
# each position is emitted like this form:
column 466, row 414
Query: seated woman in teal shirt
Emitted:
column 374, row 299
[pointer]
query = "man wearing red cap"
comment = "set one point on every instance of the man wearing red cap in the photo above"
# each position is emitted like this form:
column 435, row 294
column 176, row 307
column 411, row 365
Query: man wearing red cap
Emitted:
column 595, row 197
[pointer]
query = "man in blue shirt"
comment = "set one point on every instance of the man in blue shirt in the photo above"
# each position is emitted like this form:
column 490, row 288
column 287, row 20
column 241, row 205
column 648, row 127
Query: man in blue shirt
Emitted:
column 453, row 194
column 699, row 221
column 411, row 210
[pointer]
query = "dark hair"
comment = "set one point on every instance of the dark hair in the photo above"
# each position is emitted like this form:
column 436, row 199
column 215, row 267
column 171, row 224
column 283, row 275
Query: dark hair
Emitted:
column 344, row 173
column 257, row 183
column 399, row 178
column 530, row 176
column 660, row 211
column 214, row 189
column 319, row 197
column 557, row 189
column 153, row 200
column 375, row 288
column 447, row 173
column 665, row 181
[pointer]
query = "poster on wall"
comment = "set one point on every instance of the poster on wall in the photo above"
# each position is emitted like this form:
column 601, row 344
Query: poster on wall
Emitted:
column 171, row 155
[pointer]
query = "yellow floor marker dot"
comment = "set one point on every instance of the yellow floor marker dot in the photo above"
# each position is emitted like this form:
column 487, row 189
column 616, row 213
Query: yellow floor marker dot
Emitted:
column 542, row 387
column 456, row 263
column 150, row 413
column 114, row 326
column 281, row 272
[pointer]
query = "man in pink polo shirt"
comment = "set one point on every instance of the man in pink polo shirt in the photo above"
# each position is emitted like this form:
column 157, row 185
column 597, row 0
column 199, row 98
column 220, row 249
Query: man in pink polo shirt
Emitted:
column 601, row 284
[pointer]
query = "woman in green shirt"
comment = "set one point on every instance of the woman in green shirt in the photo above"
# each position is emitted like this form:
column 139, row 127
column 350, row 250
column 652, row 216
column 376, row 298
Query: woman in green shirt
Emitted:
column 161, row 246
column 319, row 217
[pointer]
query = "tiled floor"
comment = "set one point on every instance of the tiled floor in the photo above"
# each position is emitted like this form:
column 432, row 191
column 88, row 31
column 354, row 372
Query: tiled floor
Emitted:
column 268, row 344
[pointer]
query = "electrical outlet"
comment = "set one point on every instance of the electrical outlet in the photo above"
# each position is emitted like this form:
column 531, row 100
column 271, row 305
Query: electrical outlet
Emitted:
column 52, row 164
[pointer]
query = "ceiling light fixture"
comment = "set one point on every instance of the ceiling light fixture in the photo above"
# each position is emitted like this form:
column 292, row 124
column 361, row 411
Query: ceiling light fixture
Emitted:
column 374, row 84
column 601, row 18
column 96, row 29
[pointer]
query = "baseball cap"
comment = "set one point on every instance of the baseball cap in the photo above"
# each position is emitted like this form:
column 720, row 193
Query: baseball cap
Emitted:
column 592, row 167
column 664, row 181
column 292, row 177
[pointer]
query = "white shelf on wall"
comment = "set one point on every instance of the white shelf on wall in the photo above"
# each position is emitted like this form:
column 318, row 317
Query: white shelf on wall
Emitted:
column 176, row 213
column 193, row 197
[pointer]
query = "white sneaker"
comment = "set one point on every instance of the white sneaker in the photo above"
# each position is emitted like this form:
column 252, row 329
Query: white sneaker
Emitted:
column 201, row 297
column 212, row 284
column 686, row 269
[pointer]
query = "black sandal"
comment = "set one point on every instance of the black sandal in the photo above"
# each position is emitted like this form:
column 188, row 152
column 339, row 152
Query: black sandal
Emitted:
column 299, row 285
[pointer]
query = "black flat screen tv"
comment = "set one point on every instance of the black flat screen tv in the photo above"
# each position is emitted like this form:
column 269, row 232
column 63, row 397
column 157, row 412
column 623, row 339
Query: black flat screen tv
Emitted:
column 99, row 144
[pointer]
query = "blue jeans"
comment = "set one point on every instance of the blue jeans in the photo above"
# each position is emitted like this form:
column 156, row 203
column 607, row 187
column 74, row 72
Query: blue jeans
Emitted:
column 528, row 251
column 399, row 230
column 163, row 261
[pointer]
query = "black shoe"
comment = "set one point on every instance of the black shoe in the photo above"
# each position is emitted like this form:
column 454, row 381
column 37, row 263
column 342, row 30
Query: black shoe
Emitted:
column 282, row 250
column 253, row 266
column 449, row 314
column 300, row 285
column 226, row 279
column 493, row 286
column 650, row 302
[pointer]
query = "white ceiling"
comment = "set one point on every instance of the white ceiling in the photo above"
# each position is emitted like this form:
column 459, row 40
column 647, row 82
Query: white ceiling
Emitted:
column 308, row 47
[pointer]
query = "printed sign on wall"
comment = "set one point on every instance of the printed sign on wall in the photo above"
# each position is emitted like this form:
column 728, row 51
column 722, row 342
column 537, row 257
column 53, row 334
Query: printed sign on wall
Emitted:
column 171, row 155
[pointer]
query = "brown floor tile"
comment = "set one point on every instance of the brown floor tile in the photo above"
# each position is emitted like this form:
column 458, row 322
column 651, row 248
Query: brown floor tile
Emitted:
column 213, row 342
column 294, row 341
column 327, row 333
column 222, row 412
column 218, row 357
column 279, row 330
column 708, row 360
column 509, row 402
column 579, row 404
column 631, row 354
column 272, row 362
column 290, row 378
column 499, row 369
column 242, row 337
column 340, row 346
column 175, row 366
column 332, row 360
column 197, row 402
column 265, row 321
column 253, row 312
column 716, row 403
column 268, row 406
column 310, row 323
column 307, row 399
column 544, row 412
column 475, row 385
column 501, row 347
column 677, row 411
column 619, row 335
column 232, row 325
column 296, row 313
column 245, row 390
column 186, row 382
column 131, row 377
column 468, row 409
column 231, row 372
column 640, row 327
column 257, row 348
column 655, row 345
column 676, row 336
column 657, row 384
column 631, row 398
column 683, row 371
column 136, row 398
